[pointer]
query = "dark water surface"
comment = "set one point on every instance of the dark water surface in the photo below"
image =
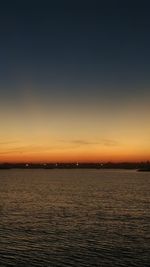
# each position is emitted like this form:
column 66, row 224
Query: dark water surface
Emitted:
column 74, row 218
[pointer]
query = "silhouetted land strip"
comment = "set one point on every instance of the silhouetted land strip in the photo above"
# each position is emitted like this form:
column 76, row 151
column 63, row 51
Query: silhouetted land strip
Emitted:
column 144, row 169
column 140, row 166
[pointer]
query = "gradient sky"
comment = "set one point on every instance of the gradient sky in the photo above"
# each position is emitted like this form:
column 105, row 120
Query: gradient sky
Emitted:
column 74, row 81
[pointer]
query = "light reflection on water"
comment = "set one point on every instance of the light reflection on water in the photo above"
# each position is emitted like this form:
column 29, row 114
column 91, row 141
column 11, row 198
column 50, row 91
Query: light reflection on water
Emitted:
column 74, row 218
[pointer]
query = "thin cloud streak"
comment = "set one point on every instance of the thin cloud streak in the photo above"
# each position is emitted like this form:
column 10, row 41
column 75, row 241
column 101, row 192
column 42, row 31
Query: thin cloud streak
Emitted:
column 81, row 142
column 9, row 142
column 72, row 144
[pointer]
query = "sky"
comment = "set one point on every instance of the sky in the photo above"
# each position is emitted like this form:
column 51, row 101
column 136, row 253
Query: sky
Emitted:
column 74, row 81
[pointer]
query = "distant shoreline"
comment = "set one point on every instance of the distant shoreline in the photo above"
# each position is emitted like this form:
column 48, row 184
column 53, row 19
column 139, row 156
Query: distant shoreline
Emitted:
column 140, row 166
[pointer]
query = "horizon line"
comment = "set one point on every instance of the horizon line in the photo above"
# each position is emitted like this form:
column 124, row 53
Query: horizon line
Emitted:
column 74, row 162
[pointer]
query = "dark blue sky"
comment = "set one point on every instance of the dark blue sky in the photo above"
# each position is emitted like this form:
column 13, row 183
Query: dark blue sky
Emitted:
column 75, row 44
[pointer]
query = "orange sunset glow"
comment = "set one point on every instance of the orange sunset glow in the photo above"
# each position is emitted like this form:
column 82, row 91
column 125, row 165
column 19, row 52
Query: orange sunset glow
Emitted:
column 38, row 133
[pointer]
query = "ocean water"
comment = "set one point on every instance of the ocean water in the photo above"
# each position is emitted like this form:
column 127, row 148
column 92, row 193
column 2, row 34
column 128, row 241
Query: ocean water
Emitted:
column 74, row 218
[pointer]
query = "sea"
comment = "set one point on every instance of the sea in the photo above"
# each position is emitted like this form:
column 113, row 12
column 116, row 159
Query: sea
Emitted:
column 74, row 218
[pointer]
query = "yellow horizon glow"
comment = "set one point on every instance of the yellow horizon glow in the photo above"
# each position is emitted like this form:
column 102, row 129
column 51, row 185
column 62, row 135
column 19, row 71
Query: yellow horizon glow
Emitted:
column 70, row 132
